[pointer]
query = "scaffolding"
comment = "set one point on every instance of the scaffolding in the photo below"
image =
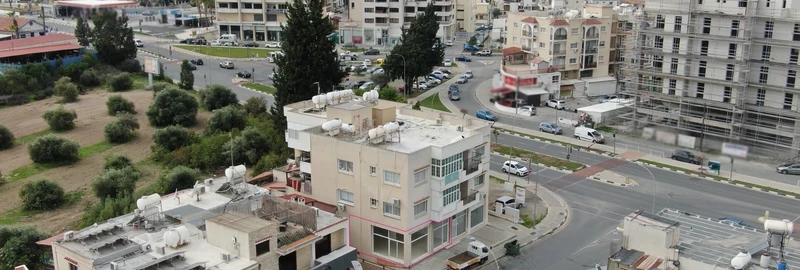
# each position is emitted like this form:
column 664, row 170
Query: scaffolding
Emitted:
column 678, row 69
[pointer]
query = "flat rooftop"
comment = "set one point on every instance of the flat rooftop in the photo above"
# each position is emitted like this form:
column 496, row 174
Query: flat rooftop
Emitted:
column 708, row 240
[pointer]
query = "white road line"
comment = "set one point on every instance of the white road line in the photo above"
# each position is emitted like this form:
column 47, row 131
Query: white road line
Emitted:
column 597, row 215
column 598, row 209
column 593, row 243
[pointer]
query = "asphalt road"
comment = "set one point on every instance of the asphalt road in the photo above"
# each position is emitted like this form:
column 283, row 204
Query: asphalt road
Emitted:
column 597, row 208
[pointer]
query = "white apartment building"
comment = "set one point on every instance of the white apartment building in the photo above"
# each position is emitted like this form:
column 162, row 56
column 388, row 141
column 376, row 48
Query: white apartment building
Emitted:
column 381, row 22
column 411, row 182
column 723, row 71
column 251, row 20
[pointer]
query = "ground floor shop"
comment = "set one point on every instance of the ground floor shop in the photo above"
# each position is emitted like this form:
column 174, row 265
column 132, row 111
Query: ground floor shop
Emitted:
column 251, row 32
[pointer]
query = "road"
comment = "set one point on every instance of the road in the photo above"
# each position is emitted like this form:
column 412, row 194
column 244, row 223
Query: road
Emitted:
column 598, row 208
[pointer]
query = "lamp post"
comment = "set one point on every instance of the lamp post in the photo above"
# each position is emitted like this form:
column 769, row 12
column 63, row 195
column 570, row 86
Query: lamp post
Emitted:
column 655, row 186
column 490, row 252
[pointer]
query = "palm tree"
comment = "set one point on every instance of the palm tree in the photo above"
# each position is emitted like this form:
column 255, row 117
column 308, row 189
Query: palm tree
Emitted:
column 14, row 26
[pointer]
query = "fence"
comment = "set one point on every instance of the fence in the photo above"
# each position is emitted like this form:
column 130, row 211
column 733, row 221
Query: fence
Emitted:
column 621, row 147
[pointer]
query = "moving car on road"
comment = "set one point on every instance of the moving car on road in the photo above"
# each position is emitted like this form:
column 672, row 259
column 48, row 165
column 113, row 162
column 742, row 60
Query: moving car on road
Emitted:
column 250, row 45
column 556, row 104
column 454, row 96
column 463, row 58
column 192, row 66
column 484, row 53
column 486, row 115
column 550, row 127
column 226, row 64
column 685, row 156
column 276, row 45
column 372, row 52
column 138, row 43
column 789, row 168
column 187, row 41
column 515, row 168
column 449, row 43
column 527, row 110
column 197, row 61
column 469, row 74
column 462, row 79
column 243, row 74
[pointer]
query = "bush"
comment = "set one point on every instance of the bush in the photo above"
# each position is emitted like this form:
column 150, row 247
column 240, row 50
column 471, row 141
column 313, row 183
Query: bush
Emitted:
column 42, row 195
column 6, row 138
column 130, row 66
column 108, row 208
column 90, row 78
column 226, row 119
column 255, row 106
column 267, row 163
column 249, row 147
column 52, row 148
column 172, row 138
column 121, row 130
column 116, row 162
column 121, row 82
column 172, row 107
column 60, row 119
column 161, row 86
column 178, row 178
column 216, row 96
column 67, row 90
column 115, row 183
column 207, row 154
column 117, row 104
column 187, row 76
column 128, row 120
column 19, row 247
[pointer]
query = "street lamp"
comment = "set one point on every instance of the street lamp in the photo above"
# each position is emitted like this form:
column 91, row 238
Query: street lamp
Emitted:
column 655, row 186
column 490, row 252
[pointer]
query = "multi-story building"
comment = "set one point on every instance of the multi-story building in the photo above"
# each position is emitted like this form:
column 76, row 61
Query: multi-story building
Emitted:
column 411, row 182
column 253, row 20
column 381, row 22
column 471, row 14
column 720, row 71
column 582, row 44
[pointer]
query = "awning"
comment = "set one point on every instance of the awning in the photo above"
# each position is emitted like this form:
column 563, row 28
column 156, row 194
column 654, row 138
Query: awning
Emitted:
column 502, row 91
column 533, row 92
column 567, row 87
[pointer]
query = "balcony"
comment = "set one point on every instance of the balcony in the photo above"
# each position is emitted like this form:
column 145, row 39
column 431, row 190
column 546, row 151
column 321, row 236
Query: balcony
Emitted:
column 227, row 10
column 442, row 2
column 275, row 11
column 559, row 37
column 589, row 65
column 591, row 36
column 590, row 51
column 558, row 52
column 470, row 197
column 526, row 48
column 528, row 34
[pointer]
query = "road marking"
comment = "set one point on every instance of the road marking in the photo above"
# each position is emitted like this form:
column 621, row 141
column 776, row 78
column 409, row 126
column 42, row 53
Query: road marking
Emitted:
column 593, row 243
column 598, row 209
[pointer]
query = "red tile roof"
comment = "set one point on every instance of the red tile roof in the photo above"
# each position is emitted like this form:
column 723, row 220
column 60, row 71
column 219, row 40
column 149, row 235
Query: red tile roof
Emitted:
column 511, row 50
column 7, row 22
column 49, row 241
column 592, row 21
column 55, row 48
column 530, row 20
column 559, row 23
column 32, row 42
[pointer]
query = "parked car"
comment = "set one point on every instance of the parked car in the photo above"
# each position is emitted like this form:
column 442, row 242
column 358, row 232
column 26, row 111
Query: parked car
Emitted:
column 200, row 41
column 440, row 74
column 444, row 70
column 516, row 168
column 243, row 74
column 608, row 98
column 556, row 104
column 197, row 61
column 420, row 85
column 471, row 48
column 230, row 44
column 589, row 134
column 685, row 156
column 226, row 64
column 372, row 52
column 371, row 70
column 486, row 115
column 147, row 13
column 250, row 45
column 550, row 127
column 449, row 43
column 484, row 53
column 448, row 62
column 366, row 86
column 462, row 79
column 359, row 83
column 378, row 71
column 276, row 45
column 733, row 221
column 509, row 201
column 463, row 58
column 192, row 66
column 138, row 43
column 527, row 110
column 433, row 80
column 367, row 62
column 216, row 43
column 789, row 168
column 454, row 96
column 469, row 74
column 187, row 41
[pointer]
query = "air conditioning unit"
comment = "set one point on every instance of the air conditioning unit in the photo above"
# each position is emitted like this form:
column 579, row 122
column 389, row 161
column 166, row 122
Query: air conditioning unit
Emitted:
column 161, row 250
column 438, row 121
column 68, row 236
column 226, row 257
column 396, row 201
column 209, row 182
column 114, row 266
column 316, row 211
column 340, row 206
column 460, row 128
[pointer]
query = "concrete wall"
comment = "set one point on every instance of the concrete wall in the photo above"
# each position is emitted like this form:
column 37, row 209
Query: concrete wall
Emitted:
column 60, row 262
column 338, row 239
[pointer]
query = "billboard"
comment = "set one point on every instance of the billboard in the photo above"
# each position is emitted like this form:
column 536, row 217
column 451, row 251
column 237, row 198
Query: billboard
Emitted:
column 151, row 65
column 734, row 150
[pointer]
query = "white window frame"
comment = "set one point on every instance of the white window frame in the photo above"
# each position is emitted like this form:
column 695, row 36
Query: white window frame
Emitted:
column 373, row 203
column 292, row 134
column 373, row 170
column 393, row 241
column 602, row 28
column 394, row 208
column 421, row 208
column 421, row 176
column 451, row 195
column 391, row 178
column 600, row 59
column 344, row 166
column 480, row 180
column 573, row 60
column 344, row 199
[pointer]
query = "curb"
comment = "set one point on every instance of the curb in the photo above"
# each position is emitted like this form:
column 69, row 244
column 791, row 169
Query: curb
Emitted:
column 154, row 54
column 251, row 89
column 598, row 179
column 593, row 151
column 189, row 52
column 538, row 164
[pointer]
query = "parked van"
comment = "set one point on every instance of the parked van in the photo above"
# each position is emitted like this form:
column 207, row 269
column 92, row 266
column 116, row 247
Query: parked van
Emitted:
column 226, row 38
column 589, row 134
column 274, row 56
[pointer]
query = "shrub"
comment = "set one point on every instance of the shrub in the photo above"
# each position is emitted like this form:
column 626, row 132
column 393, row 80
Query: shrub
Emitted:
column 117, row 104
column 108, row 208
column 208, row 153
column 268, row 162
column 226, row 119
column 178, row 178
column 173, row 137
column 121, row 82
column 255, row 106
column 116, row 162
column 74, row 70
column 161, row 86
column 216, row 96
column 42, row 195
column 6, row 138
column 249, row 147
column 187, row 76
column 121, row 130
column 67, row 90
column 90, row 78
column 128, row 120
column 52, row 148
column 130, row 66
column 19, row 247
column 172, row 107
column 60, row 119
column 115, row 183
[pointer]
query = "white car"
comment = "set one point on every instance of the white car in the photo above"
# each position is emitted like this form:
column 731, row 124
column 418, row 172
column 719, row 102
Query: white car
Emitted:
column 468, row 73
column 432, row 79
column 271, row 76
column 231, row 44
column 367, row 62
column 421, row 85
column 378, row 71
column 449, row 43
column 462, row 79
column 515, row 168
column 138, row 42
column 448, row 62
column 527, row 110
column 366, row 85
column 216, row 43
column 441, row 74
column 556, row 104
column 276, row 45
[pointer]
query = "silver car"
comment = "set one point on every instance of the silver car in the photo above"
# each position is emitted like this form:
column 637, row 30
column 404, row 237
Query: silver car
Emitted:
column 789, row 168
column 550, row 128
column 462, row 79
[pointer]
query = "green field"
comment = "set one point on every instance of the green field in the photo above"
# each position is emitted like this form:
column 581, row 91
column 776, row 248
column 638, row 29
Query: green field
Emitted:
column 433, row 102
column 228, row 52
column 261, row 88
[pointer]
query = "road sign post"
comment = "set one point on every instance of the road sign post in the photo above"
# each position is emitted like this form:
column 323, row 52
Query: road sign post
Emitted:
column 150, row 66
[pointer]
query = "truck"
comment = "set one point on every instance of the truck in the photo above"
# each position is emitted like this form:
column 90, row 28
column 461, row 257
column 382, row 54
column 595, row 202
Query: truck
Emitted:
column 484, row 53
column 477, row 253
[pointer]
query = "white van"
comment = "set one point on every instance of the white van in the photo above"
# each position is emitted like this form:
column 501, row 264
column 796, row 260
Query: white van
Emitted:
column 589, row 134
column 367, row 62
column 224, row 38
column 274, row 56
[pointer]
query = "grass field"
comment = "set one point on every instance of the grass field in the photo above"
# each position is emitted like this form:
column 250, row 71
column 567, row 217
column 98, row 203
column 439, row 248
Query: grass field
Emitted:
column 433, row 102
column 261, row 88
column 229, row 52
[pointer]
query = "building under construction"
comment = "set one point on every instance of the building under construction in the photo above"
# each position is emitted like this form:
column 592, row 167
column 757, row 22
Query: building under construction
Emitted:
column 717, row 70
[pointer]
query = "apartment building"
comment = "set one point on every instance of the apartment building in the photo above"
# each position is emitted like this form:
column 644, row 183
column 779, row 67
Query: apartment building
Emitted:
column 720, row 71
column 410, row 182
column 251, row 20
column 218, row 224
column 381, row 22
column 582, row 44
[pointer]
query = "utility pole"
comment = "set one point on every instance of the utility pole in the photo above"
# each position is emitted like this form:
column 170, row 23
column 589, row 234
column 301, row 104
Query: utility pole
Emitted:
column 44, row 25
column 529, row 166
column 535, row 194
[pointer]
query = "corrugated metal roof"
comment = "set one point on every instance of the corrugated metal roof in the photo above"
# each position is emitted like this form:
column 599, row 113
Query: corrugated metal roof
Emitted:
column 32, row 42
column 647, row 262
column 55, row 48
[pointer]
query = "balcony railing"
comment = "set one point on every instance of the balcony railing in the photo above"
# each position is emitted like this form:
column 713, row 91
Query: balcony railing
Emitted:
column 558, row 52
column 590, row 50
column 559, row 37
column 592, row 36
column 474, row 164
column 526, row 48
column 527, row 33
column 471, row 196
column 588, row 65
column 305, row 158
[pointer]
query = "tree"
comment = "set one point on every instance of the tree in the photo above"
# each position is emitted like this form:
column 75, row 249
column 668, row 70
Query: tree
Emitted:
column 52, row 148
column 216, row 96
column 19, row 247
column 128, row 120
column 115, row 183
column 249, row 147
column 116, row 162
column 6, row 138
column 67, row 90
column 14, row 24
column 226, row 119
column 381, row 80
column 473, row 41
column 118, row 104
column 187, row 76
column 309, row 57
column 42, row 195
column 173, row 137
column 159, row 86
column 89, row 78
column 496, row 12
column 172, row 107
column 112, row 38
column 419, row 50
column 268, row 162
column 179, row 178
column 83, row 32
column 255, row 106
column 121, row 82
column 121, row 130
column 60, row 119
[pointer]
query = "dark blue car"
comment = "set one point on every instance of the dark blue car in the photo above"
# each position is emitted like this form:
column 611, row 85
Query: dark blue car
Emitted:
column 463, row 58
column 486, row 115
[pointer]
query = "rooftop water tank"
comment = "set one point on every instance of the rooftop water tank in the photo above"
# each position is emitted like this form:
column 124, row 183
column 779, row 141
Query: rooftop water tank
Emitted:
column 176, row 236
column 373, row 133
column 148, row 200
column 740, row 260
column 779, row 226
column 391, row 127
column 349, row 128
column 235, row 174
column 335, row 123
